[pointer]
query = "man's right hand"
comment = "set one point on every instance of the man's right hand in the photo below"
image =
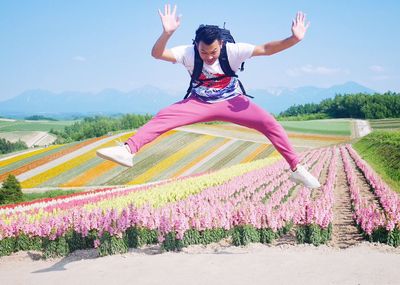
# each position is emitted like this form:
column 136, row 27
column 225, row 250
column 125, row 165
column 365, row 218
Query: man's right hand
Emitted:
column 169, row 20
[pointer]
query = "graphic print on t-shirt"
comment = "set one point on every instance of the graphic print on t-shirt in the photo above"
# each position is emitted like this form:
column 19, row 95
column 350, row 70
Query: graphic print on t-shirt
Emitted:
column 216, row 90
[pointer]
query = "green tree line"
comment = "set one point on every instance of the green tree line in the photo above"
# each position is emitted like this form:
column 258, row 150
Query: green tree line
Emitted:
column 361, row 106
column 98, row 126
column 39, row 117
column 7, row 146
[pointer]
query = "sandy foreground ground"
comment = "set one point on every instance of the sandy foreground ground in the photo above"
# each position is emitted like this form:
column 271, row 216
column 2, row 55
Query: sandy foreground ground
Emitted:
column 364, row 263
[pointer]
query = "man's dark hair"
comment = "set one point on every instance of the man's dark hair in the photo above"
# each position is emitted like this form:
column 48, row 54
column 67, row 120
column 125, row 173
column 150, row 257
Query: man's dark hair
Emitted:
column 207, row 34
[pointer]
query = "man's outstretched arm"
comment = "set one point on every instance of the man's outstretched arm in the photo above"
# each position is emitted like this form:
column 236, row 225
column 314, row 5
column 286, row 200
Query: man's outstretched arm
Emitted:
column 170, row 23
column 298, row 32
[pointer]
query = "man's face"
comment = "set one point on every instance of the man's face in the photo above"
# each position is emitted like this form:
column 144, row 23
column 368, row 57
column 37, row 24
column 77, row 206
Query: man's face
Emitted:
column 209, row 53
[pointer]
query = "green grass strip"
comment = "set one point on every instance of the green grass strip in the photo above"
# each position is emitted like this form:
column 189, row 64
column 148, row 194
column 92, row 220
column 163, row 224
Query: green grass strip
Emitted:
column 48, row 194
column 381, row 149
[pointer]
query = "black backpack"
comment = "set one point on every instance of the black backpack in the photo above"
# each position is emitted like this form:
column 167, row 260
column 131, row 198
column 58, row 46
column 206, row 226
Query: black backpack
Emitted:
column 226, row 37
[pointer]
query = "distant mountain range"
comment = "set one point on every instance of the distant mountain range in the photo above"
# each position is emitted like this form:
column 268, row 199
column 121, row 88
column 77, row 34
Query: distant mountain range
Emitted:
column 150, row 100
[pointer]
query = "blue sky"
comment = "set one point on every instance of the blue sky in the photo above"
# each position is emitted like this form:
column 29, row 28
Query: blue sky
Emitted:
column 92, row 45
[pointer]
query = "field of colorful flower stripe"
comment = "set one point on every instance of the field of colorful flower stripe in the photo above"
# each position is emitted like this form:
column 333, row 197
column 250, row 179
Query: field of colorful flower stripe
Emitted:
column 69, row 169
column 251, row 202
column 173, row 154
column 26, row 162
column 301, row 140
column 185, row 153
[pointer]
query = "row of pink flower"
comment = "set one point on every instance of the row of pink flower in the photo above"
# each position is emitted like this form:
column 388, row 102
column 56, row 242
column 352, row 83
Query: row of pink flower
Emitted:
column 319, row 210
column 56, row 225
column 367, row 214
column 82, row 221
column 389, row 200
column 296, row 205
column 220, row 208
column 239, row 201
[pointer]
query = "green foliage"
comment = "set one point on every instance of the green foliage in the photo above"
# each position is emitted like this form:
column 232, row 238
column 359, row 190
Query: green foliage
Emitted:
column 10, row 192
column 267, row 235
column 112, row 245
column 212, row 235
column 313, row 234
column 362, row 106
column 380, row 235
column 77, row 241
column 138, row 237
column 7, row 146
column 285, row 229
column 55, row 248
column 24, row 242
column 47, row 194
column 381, row 149
column 99, row 126
column 39, row 117
column 394, row 237
column 7, row 246
column 171, row 243
column 303, row 117
column 243, row 235
column 192, row 236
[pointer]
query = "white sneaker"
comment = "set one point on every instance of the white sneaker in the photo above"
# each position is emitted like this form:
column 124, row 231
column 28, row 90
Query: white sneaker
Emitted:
column 301, row 175
column 118, row 154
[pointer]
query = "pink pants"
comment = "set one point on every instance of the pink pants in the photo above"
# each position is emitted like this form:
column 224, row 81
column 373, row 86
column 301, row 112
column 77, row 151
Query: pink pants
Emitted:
column 239, row 110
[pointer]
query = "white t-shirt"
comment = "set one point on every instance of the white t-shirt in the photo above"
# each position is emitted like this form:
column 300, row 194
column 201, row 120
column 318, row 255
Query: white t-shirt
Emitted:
column 215, row 91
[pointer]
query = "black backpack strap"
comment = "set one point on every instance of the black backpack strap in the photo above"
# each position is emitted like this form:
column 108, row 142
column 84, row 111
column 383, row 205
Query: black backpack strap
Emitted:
column 244, row 91
column 226, row 68
column 223, row 60
column 198, row 67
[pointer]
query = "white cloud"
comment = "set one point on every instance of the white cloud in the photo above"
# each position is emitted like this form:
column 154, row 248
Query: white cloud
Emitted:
column 377, row 68
column 314, row 70
column 79, row 58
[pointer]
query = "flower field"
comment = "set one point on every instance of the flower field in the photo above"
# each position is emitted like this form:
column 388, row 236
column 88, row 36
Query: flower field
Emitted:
column 31, row 160
column 199, row 149
column 245, row 203
column 173, row 154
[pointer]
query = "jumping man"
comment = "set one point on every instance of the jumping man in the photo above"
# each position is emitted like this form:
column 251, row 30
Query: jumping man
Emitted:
column 214, row 96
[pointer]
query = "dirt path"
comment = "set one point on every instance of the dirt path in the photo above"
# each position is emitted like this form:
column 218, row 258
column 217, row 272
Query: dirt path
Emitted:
column 359, row 128
column 344, row 232
column 365, row 189
column 43, row 138
column 364, row 127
